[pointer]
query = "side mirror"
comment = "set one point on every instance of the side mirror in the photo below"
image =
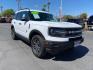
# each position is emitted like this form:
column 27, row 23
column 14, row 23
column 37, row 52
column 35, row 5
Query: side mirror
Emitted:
column 24, row 19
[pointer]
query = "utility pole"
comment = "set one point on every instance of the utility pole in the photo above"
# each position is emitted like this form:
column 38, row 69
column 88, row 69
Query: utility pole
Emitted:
column 60, row 11
column 1, row 9
column 48, row 5
column 19, row 4
column 1, row 6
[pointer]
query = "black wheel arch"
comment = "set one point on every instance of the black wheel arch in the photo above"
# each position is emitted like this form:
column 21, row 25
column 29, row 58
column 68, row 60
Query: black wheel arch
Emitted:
column 35, row 32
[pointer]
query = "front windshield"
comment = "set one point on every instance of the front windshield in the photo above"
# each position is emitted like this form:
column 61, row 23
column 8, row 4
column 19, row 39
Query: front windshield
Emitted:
column 40, row 16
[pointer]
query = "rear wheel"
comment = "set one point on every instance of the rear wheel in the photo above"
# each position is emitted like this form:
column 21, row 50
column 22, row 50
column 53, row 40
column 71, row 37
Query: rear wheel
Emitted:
column 37, row 44
column 13, row 34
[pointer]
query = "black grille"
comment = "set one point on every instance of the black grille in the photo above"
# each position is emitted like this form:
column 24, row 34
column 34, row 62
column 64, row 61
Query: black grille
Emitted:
column 73, row 29
column 75, row 39
column 66, row 32
column 72, row 32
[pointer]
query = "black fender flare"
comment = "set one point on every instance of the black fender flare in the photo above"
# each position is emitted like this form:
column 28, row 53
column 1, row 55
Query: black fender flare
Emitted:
column 35, row 32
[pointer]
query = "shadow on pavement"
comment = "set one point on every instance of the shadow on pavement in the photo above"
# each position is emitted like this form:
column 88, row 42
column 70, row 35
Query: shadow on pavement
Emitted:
column 78, row 52
column 72, row 55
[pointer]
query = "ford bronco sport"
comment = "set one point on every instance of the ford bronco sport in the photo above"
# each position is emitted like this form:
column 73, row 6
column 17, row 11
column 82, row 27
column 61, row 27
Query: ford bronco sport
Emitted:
column 44, row 33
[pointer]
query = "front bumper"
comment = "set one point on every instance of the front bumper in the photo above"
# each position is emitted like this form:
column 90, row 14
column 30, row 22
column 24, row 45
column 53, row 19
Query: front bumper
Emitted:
column 50, row 45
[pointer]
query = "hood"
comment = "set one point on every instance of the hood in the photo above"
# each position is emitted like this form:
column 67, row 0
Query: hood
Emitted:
column 58, row 24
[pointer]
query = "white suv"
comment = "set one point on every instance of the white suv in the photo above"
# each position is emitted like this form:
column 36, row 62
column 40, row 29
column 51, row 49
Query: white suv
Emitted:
column 44, row 33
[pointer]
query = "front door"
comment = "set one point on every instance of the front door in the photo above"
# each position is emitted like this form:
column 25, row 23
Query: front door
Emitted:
column 24, row 23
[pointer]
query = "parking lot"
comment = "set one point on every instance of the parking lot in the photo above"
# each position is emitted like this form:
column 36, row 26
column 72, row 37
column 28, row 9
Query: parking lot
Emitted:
column 17, row 55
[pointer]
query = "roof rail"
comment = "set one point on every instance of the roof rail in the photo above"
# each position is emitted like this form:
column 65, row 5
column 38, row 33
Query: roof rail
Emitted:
column 25, row 8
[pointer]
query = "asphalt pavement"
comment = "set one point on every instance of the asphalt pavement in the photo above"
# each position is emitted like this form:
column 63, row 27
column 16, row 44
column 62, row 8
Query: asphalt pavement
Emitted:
column 17, row 55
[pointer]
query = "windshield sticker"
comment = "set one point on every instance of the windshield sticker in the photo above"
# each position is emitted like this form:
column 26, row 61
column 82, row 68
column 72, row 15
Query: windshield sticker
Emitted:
column 35, row 12
column 36, row 16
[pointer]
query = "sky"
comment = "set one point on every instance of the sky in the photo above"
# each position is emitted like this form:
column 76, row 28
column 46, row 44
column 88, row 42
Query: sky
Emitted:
column 69, row 7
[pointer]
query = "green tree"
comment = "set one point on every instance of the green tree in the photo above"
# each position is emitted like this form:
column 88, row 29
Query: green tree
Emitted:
column 44, row 8
column 83, row 16
column 8, row 12
column 0, row 14
column 66, row 17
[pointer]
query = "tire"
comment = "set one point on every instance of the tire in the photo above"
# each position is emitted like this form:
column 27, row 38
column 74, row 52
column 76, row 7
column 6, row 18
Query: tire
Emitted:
column 13, row 34
column 37, row 44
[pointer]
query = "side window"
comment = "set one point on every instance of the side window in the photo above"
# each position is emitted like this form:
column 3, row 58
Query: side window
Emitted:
column 25, row 15
column 18, row 16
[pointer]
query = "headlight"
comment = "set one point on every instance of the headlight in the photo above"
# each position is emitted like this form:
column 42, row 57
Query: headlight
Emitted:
column 57, row 32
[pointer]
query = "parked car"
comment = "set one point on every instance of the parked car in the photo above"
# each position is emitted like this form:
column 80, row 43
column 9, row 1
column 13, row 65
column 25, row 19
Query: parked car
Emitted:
column 90, row 22
column 3, row 20
column 77, row 21
column 8, row 19
column 44, row 33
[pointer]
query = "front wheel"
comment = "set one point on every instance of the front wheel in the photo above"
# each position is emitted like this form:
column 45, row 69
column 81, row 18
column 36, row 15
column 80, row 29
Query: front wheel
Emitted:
column 37, row 44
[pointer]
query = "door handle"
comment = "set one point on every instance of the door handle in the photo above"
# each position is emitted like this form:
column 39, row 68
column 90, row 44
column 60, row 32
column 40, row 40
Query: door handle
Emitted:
column 19, row 23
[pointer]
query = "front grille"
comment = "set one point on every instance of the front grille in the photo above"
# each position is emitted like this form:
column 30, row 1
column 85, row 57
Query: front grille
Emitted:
column 72, row 32
column 76, row 39
column 65, row 32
